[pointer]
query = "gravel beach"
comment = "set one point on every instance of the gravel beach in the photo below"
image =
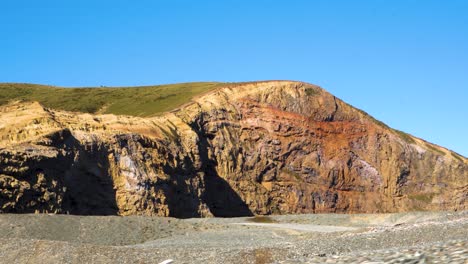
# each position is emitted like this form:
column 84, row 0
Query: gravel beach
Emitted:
column 417, row 237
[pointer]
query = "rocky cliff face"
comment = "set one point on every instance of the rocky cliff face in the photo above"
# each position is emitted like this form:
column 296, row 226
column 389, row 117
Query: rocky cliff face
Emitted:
column 243, row 149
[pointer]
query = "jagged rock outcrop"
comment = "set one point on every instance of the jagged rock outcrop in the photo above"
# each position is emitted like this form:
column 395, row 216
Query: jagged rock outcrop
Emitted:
column 255, row 148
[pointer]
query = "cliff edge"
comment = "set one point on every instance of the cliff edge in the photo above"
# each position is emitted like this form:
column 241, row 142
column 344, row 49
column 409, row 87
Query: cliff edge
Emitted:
column 240, row 149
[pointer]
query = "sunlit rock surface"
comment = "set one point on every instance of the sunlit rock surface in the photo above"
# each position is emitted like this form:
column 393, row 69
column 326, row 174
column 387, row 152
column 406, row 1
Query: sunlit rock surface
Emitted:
column 243, row 149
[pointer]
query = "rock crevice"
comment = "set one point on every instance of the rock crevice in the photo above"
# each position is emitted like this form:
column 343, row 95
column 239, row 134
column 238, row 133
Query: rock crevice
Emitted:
column 255, row 148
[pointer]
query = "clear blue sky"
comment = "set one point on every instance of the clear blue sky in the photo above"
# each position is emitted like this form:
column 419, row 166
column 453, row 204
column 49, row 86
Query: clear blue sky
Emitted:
column 404, row 62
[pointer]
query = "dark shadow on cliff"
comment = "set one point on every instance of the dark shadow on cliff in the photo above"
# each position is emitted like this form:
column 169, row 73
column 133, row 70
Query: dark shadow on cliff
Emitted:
column 181, row 190
column 221, row 199
column 219, row 196
column 89, row 187
column 73, row 181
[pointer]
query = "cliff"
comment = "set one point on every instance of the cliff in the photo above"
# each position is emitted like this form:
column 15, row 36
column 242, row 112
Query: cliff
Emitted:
column 240, row 149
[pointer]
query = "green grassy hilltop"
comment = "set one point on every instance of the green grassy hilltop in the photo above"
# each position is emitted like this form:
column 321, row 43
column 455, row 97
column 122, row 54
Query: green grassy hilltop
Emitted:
column 136, row 101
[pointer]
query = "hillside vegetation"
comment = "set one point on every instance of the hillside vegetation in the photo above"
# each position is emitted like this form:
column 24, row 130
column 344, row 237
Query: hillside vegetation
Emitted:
column 135, row 101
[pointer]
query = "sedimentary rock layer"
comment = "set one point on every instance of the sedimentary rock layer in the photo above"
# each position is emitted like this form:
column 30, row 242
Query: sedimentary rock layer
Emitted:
column 242, row 149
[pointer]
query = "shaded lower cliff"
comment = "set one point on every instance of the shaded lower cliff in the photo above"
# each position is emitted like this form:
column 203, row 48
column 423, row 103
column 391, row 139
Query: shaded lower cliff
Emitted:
column 258, row 148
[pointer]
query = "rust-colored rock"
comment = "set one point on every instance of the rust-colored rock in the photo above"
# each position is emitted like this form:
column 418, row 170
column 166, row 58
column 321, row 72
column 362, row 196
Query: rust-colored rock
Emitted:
column 256, row 148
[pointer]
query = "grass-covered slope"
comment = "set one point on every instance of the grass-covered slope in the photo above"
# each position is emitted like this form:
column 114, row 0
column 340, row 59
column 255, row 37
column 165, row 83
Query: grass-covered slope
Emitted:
column 136, row 101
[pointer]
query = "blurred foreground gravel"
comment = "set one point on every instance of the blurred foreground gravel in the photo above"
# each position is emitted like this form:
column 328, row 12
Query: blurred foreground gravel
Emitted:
column 418, row 237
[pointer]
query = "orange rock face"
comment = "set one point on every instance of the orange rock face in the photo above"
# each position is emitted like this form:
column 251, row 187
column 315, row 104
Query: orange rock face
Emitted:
column 258, row 148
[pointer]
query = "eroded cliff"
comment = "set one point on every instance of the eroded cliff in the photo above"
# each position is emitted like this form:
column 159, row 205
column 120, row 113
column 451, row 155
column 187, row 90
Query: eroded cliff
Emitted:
column 242, row 149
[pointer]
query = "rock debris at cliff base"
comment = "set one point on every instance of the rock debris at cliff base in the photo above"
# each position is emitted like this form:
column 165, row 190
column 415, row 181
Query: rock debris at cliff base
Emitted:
column 419, row 237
